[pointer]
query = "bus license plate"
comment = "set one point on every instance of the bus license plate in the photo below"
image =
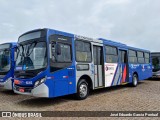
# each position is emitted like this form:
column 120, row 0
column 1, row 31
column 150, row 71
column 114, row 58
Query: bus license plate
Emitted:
column 21, row 89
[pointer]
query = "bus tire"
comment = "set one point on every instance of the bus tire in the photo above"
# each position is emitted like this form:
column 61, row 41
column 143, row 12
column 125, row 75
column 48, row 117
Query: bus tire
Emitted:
column 82, row 90
column 134, row 80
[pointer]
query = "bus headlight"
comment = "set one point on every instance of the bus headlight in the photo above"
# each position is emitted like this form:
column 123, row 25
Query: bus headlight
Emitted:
column 42, row 80
column 37, row 83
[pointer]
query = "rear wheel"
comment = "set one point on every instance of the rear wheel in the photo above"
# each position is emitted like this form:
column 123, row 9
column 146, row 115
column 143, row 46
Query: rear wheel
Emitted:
column 134, row 80
column 82, row 90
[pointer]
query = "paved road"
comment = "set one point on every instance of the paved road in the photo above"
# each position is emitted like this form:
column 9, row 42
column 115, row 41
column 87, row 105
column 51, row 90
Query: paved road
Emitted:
column 146, row 96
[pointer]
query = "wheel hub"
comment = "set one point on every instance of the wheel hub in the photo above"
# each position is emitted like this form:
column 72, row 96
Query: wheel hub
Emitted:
column 83, row 90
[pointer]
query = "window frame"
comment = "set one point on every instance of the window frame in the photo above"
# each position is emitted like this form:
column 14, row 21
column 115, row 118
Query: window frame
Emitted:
column 138, row 54
column 81, row 40
column 146, row 57
column 88, row 67
column 141, row 57
column 108, row 54
column 130, row 56
column 132, row 51
column 57, row 42
column 121, row 60
column 141, row 62
column 10, row 59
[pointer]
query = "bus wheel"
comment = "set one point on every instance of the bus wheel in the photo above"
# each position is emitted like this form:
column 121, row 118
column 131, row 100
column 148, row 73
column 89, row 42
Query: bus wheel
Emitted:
column 134, row 80
column 82, row 90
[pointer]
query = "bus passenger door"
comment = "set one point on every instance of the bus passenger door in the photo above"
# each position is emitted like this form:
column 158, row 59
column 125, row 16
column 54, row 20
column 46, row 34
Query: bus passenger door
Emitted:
column 123, row 62
column 98, row 66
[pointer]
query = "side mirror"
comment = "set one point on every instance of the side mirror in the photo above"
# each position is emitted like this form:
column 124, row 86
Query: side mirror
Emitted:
column 50, row 50
column 58, row 49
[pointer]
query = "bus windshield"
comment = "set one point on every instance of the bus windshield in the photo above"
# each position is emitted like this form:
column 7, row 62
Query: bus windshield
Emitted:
column 156, row 64
column 31, row 56
column 4, row 60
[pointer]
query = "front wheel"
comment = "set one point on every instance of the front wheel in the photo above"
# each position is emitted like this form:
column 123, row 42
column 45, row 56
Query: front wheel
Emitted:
column 82, row 90
column 134, row 80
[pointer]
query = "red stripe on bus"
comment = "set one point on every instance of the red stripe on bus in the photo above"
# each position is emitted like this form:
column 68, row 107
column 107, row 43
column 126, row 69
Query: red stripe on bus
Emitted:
column 124, row 74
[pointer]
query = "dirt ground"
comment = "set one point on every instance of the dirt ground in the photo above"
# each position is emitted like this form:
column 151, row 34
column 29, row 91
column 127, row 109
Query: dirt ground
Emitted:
column 144, row 97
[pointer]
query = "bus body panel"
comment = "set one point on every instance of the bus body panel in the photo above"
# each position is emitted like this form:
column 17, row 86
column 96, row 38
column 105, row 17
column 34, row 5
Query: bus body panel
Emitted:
column 143, row 71
column 63, row 80
column 80, row 73
column 156, row 64
column 6, row 81
column 101, row 74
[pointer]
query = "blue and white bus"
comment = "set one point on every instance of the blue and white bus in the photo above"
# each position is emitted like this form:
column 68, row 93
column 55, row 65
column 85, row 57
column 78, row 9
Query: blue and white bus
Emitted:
column 52, row 63
column 7, row 64
column 156, row 64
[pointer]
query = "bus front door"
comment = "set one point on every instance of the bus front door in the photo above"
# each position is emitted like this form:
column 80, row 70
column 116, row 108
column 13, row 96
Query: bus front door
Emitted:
column 98, row 66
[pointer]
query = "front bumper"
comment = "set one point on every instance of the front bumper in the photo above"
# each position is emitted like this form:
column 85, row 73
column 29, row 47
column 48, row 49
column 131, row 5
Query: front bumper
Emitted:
column 156, row 75
column 39, row 91
column 7, row 84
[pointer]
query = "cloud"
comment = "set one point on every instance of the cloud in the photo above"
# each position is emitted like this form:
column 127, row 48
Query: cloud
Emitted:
column 134, row 22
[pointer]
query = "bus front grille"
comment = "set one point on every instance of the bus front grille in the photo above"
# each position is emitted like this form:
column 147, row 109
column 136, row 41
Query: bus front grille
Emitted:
column 26, row 89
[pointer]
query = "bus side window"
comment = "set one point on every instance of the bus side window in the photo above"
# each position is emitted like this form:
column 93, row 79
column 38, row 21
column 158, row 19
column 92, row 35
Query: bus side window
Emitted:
column 111, row 54
column 83, row 51
column 61, row 56
column 132, row 56
column 141, row 59
column 147, row 56
column 63, row 53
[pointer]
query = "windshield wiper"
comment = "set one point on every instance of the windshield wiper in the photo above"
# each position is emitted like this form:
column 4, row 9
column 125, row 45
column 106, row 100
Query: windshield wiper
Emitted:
column 27, row 53
column 23, row 55
column 20, row 54
column 55, row 58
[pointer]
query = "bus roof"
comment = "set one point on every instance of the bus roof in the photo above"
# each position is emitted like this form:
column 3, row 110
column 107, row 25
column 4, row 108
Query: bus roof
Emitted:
column 14, row 44
column 138, row 49
column 110, row 42
column 118, row 44
column 105, row 41
column 155, row 52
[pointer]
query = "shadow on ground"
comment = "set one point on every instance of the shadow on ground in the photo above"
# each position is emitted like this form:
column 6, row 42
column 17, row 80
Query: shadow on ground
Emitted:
column 154, row 79
column 7, row 92
column 43, row 102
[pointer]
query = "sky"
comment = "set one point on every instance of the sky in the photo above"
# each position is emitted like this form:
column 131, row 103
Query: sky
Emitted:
column 133, row 22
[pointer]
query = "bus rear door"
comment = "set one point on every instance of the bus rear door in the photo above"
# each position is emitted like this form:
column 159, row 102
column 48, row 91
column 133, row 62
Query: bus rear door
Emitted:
column 98, row 66
column 123, row 62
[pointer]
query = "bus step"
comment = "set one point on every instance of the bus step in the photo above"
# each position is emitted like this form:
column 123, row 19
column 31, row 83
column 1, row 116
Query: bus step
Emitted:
column 124, row 83
column 99, row 87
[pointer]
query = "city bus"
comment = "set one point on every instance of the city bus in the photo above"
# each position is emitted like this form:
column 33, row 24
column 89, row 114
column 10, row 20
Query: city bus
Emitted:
column 7, row 64
column 156, row 64
column 53, row 63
